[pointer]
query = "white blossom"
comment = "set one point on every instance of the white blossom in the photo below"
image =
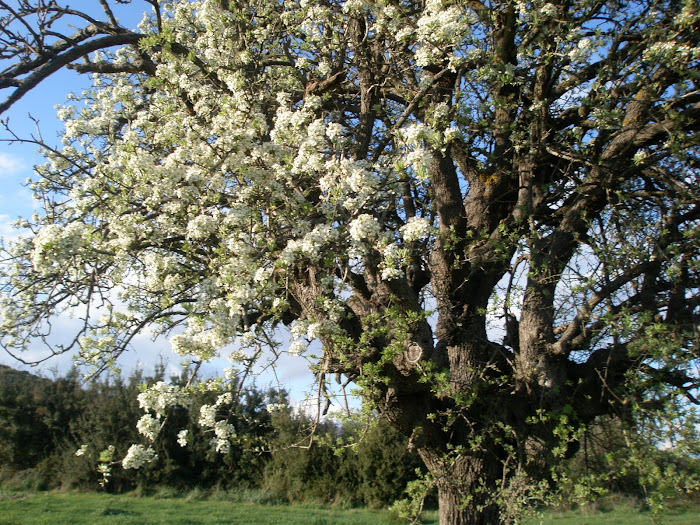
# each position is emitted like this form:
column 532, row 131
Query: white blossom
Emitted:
column 224, row 399
column 451, row 134
column 223, row 446
column 137, row 456
column 364, row 228
column 106, row 471
column 297, row 348
column 201, row 227
column 440, row 26
column 299, row 328
column 275, row 407
column 314, row 330
column 355, row 6
column 334, row 130
column 582, row 50
column 247, row 339
column 389, row 274
column 639, row 157
column 162, row 396
column 187, row 344
column 55, row 245
column 415, row 229
column 237, row 356
column 148, row 426
column 207, row 416
column 549, row 10
column 224, row 430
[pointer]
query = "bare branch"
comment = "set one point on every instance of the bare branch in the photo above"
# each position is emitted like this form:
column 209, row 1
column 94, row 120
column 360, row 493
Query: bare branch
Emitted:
column 42, row 72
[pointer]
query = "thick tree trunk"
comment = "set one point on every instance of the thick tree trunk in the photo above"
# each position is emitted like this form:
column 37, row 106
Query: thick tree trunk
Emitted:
column 466, row 485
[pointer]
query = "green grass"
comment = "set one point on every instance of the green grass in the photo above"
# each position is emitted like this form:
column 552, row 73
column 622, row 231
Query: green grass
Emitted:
column 88, row 508
column 49, row 508
column 616, row 511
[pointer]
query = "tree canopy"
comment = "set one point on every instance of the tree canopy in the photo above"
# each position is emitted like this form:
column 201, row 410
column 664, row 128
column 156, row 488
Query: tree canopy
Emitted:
column 486, row 212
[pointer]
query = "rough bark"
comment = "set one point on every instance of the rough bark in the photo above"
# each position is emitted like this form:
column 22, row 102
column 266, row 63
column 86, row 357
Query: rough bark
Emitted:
column 465, row 485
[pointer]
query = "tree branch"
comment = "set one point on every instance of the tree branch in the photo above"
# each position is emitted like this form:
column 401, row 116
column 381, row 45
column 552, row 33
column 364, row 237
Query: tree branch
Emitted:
column 56, row 63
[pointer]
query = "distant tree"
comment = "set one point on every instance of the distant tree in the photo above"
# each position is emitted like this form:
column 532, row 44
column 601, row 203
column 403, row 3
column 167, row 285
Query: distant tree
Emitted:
column 382, row 464
column 35, row 416
column 644, row 460
column 112, row 415
column 242, row 463
column 485, row 211
column 61, row 426
column 108, row 416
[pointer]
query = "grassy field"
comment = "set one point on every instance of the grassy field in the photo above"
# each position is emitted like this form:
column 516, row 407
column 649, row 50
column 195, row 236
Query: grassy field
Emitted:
column 623, row 515
column 89, row 508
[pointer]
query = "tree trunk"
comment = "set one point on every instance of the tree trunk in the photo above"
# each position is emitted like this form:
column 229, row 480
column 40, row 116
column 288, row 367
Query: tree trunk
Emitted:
column 466, row 485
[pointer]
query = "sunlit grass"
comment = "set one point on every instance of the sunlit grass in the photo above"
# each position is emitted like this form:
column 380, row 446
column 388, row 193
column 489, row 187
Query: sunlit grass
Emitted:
column 49, row 508
column 616, row 511
column 89, row 508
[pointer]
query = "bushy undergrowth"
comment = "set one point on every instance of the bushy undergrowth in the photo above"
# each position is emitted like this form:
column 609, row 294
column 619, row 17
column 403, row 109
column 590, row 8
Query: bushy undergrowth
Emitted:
column 45, row 421
column 262, row 464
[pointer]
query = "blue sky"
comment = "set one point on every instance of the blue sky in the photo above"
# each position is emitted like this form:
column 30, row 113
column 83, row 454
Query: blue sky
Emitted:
column 16, row 160
column 16, row 166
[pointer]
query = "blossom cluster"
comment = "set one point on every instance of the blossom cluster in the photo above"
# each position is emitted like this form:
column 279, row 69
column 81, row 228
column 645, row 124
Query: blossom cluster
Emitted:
column 223, row 431
column 137, row 456
column 55, row 245
column 415, row 138
column 309, row 247
column 416, row 228
column 305, row 331
column 202, row 226
column 149, row 426
column 672, row 51
column 161, row 396
column 393, row 259
column 297, row 348
column 207, row 415
column 275, row 407
column 189, row 344
column 582, row 50
column 364, row 228
column 351, row 185
column 439, row 28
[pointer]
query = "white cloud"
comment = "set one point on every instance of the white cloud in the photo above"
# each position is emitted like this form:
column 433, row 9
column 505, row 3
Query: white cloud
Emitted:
column 11, row 164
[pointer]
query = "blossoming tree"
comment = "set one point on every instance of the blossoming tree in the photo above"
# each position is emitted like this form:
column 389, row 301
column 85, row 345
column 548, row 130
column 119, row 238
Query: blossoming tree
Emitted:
column 485, row 211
